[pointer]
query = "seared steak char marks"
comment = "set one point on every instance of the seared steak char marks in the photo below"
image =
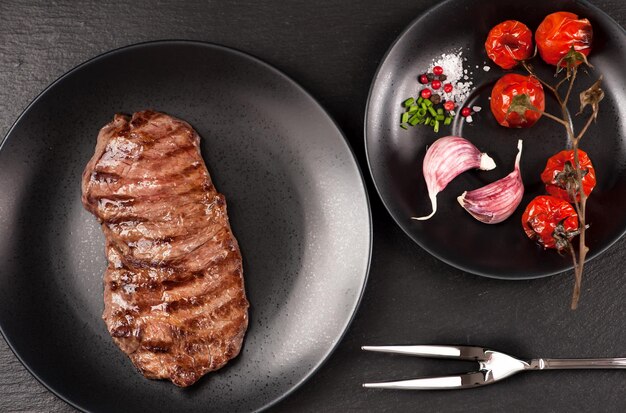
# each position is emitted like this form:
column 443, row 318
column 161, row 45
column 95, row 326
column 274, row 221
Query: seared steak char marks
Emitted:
column 174, row 299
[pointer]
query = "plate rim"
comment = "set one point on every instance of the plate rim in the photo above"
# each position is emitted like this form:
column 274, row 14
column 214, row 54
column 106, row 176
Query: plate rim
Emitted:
column 216, row 46
column 423, row 15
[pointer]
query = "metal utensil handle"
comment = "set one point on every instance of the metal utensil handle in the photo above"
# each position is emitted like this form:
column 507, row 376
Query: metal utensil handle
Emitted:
column 552, row 364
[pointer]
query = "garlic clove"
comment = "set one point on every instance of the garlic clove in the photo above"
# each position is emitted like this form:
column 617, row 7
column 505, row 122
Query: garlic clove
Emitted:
column 497, row 201
column 447, row 158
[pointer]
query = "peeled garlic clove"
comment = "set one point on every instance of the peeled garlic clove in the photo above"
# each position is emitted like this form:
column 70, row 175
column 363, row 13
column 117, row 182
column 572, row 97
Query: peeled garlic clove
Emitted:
column 447, row 158
column 497, row 201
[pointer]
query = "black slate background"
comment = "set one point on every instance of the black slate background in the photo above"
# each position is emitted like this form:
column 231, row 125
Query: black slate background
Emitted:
column 332, row 48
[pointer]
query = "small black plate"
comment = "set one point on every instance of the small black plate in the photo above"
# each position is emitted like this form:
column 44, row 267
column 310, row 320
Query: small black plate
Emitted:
column 395, row 155
column 296, row 199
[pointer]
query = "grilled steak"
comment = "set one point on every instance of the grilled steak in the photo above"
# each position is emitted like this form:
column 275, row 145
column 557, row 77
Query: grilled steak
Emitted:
column 174, row 299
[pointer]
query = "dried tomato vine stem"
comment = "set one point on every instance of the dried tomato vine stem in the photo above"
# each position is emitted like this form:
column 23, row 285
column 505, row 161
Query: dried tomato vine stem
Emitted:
column 580, row 204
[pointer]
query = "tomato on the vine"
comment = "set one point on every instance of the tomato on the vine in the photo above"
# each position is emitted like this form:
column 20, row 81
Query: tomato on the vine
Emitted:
column 551, row 221
column 511, row 97
column 561, row 32
column 560, row 178
column 508, row 43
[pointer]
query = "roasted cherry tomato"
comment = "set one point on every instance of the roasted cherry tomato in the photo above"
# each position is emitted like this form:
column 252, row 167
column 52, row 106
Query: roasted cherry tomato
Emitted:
column 550, row 221
column 560, row 175
column 510, row 90
column 559, row 32
column 508, row 43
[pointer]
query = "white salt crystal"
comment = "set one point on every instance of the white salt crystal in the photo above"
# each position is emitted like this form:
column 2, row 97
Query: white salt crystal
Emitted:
column 476, row 108
column 452, row 65
column 469, row 119
column 486, row 68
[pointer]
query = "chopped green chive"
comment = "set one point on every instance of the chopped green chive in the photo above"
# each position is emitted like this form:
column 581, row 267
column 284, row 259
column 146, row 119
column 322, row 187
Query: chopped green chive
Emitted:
column 423, row 111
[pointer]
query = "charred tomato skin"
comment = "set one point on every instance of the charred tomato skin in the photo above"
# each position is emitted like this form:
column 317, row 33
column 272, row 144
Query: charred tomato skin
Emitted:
column 503, row 92
column 550, row 221
column 561, row 32
column 560, row 169
column 509, row 42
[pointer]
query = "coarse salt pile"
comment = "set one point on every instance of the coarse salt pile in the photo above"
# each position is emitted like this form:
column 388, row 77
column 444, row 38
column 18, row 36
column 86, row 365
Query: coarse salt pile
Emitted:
column 452, row 64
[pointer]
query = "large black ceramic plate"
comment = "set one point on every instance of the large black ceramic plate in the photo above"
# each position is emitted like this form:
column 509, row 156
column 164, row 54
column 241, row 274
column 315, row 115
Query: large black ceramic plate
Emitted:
column 296, row 199
column 395, row 156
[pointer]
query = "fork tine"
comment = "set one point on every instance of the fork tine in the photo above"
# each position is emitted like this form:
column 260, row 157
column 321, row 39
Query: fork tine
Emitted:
column 460, row 381
column 446, row 352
